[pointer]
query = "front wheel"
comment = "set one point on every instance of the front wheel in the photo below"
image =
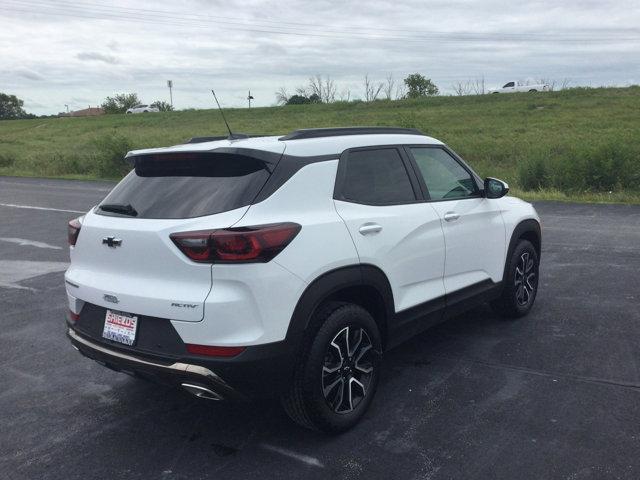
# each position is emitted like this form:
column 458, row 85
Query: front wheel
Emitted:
column 520, row 282
column 337, row 378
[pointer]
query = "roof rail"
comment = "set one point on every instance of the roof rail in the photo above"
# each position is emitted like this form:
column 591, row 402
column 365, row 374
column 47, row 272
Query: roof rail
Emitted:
column 205, row 139
column 341, row 131
column 235, row 136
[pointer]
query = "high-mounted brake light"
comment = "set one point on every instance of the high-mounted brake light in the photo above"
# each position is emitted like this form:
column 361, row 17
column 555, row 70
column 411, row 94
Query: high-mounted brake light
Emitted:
column 254, row 244
column 211, row 351
column 73, row 230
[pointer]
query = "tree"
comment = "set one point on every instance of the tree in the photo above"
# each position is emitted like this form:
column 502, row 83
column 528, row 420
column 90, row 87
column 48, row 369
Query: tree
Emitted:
column 345, row 95
column 388, row 87
column 162, row 106
column 11, row 107
column 420, row 86
column 324, row 89
column 478, row 86
column 371, row 89
column 461, row 89
column 282, row 96
column 401, row 91
column 120, row 103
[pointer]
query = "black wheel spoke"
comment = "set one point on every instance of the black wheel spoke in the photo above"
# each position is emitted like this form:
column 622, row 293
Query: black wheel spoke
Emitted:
column 524, row 279
column 348, row 368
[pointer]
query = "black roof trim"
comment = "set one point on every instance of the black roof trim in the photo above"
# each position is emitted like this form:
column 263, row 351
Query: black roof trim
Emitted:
column 338, row 132
column 235, row 136
column 205, row 139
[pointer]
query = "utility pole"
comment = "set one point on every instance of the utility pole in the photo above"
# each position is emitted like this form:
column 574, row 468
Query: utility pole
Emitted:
column 249, row 97
column 67, row 107
column 170, row 85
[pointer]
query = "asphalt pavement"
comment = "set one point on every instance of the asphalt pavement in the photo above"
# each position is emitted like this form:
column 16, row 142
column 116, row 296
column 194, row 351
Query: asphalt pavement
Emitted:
column 553, row 395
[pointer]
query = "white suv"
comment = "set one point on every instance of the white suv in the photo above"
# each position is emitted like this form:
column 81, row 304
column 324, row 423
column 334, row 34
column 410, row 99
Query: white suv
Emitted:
column 251, row 267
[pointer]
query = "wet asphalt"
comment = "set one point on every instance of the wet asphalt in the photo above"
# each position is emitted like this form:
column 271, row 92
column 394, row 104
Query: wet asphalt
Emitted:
column 553, row 395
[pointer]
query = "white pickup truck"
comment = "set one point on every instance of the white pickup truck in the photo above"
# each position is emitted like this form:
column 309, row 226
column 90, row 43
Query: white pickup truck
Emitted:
column 520, row 87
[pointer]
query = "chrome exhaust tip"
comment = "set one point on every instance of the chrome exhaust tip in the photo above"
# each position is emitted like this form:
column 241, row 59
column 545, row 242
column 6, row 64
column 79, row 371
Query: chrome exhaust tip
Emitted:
column 201, row 392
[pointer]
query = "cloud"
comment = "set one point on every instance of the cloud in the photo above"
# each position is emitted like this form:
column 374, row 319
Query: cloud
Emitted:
column 27, row 73
column 98, row 57
column 262, row 45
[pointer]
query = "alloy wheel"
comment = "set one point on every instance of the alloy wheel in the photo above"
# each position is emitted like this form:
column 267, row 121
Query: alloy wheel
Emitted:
column 525, row 279
column 348, row 369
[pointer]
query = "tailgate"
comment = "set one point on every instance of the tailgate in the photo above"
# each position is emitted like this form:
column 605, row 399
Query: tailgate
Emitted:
column 146, row 274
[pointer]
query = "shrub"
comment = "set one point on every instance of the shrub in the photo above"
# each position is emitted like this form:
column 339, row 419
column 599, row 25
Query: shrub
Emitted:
column 604, row 167
column 162, row 106
column 111, row 150
column 120, row 103
column 7, row 160
column 608, row 167
column 533, row 174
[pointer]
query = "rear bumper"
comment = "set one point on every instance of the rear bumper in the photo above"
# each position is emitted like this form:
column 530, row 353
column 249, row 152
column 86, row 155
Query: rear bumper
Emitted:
column 258, row 372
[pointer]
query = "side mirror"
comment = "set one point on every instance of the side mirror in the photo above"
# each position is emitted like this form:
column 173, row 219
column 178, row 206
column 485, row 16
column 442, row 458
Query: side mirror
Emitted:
column 494, row 188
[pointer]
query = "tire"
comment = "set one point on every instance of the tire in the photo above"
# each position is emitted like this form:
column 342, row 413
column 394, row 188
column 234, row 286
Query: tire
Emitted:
column 350, row 384
column 533, row 90
column 520, row 282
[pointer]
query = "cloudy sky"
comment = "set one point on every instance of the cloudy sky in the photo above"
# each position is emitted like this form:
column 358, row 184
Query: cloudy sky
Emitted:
column 54, row 52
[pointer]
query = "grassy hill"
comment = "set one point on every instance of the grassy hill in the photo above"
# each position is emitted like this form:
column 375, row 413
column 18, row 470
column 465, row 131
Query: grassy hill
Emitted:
column 580, row 144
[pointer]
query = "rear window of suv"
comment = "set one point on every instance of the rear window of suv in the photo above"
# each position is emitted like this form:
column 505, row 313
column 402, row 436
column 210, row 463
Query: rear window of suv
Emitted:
column 188, row 185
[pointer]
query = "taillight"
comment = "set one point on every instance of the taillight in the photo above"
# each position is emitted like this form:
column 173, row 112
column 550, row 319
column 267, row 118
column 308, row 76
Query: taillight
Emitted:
column 74, row 317
column 236, row 245
column 211, row 351
column 73, row 230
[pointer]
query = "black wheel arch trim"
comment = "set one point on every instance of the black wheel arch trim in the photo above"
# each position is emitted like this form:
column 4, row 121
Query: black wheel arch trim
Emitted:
column 332, row 282
column 529, row 226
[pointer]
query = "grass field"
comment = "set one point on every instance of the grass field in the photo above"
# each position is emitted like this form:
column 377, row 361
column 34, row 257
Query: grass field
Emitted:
column 577, row 144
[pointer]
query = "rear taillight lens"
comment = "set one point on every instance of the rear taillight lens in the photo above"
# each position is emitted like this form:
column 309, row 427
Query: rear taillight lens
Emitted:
column 211, row 351
column 73, row 230
column 236, row 245
column 73, row 317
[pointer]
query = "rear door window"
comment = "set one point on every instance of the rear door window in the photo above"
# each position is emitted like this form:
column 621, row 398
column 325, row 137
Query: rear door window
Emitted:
column 188, row 185
column 376, row 177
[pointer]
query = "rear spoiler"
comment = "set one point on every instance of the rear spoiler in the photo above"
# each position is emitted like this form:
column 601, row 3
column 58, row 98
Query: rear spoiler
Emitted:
column 270, row 159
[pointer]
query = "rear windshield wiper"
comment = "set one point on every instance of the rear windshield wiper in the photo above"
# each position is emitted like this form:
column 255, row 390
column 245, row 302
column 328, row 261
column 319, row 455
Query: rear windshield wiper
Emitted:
column 119, row 208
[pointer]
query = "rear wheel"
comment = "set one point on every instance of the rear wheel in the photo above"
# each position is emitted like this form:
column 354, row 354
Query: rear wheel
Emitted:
column 520, row 282
column 337, row 378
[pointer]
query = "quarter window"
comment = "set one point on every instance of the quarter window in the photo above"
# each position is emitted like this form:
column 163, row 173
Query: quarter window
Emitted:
column 377, row 177
column 445, row 178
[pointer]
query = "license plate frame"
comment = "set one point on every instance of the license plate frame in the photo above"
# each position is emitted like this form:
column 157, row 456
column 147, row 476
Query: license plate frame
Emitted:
column 120, row 327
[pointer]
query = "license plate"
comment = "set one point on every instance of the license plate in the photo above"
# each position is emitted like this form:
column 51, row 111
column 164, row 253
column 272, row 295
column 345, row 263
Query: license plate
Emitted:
column 120, row 327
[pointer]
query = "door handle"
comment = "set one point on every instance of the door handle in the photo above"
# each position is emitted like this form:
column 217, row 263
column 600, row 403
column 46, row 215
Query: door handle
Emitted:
column 369, row 228
column 451, row 216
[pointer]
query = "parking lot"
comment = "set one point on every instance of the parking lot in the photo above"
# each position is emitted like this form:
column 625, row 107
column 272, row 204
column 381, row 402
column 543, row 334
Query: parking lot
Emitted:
column 553, row 395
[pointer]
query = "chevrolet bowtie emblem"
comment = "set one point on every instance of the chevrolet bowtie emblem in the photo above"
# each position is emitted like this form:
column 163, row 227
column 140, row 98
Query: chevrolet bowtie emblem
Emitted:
column 111, row 242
